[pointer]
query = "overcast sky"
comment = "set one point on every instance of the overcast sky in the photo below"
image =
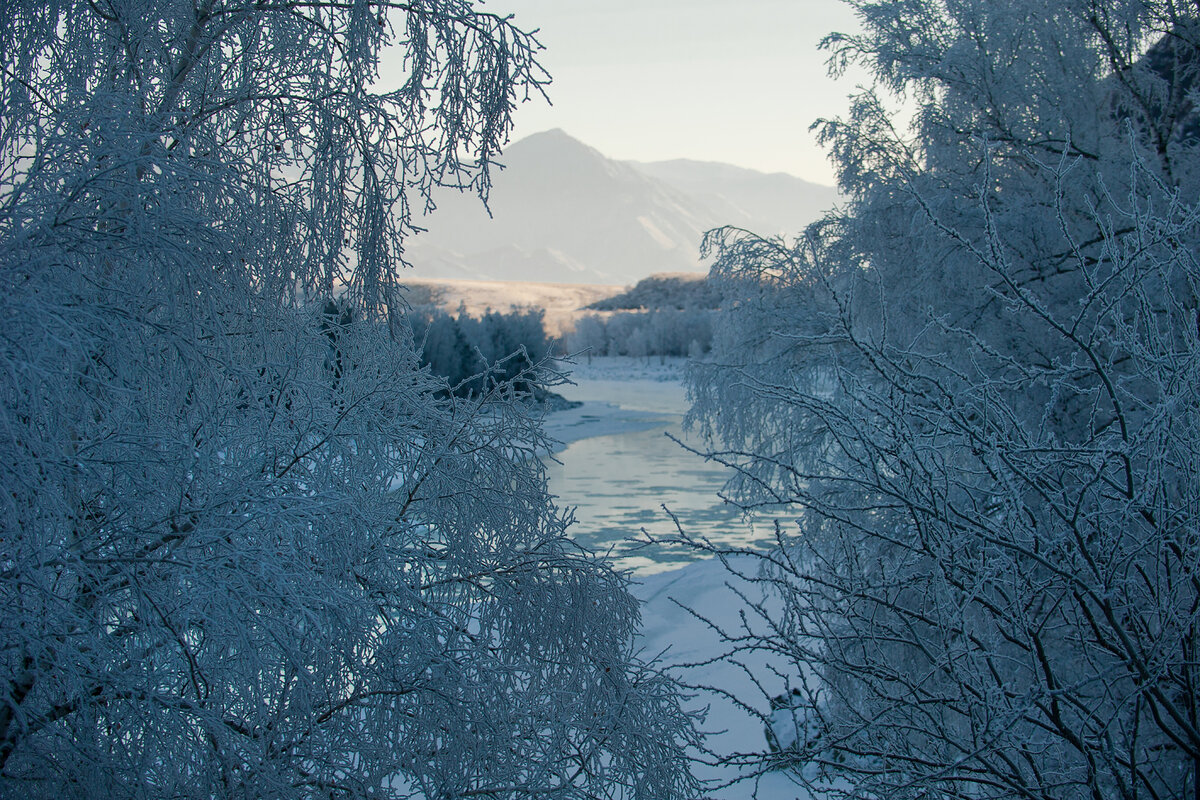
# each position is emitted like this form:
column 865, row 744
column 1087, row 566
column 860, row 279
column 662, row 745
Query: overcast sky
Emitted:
column 713, row 80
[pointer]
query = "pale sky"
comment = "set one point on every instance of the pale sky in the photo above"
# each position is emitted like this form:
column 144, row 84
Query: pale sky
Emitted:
column 711, row 80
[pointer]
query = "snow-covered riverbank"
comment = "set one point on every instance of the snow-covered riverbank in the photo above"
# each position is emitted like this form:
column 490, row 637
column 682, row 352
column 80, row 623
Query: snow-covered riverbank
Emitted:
column 626, row 395
column 618, row 395
column 675, row 606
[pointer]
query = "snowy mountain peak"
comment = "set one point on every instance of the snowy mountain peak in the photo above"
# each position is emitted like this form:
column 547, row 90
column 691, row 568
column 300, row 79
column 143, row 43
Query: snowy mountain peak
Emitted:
column 548, row 142
column 581, row 217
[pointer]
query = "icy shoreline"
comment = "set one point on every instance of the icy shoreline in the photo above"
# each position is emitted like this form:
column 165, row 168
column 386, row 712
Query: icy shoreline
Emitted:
column 622, row 395
column 594, row 418
column 618, row 394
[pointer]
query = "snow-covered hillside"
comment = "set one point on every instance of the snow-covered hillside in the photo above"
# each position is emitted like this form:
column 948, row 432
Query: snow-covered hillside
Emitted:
column 770, row 203
column 563, row 212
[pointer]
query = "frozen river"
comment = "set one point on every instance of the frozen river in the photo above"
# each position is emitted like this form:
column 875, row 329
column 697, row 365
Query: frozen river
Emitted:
column 620, row 468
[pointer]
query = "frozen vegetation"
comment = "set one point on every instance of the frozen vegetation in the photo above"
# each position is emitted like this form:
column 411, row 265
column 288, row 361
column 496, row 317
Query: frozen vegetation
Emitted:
column 974, row 385
column 251, row 548
column 266, row 531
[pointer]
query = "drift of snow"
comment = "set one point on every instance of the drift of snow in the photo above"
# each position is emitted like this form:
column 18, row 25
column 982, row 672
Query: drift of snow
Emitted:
column 674, row 607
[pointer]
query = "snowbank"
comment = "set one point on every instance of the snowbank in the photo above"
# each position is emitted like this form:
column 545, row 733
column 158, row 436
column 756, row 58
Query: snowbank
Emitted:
column 673, row 604
column 619, row 395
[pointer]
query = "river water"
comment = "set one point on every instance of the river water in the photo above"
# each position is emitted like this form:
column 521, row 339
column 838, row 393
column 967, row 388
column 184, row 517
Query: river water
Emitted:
column 627, row 469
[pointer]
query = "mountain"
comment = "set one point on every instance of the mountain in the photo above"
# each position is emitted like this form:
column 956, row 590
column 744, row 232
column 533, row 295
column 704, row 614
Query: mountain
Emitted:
column 563, row 212
column 772, row 203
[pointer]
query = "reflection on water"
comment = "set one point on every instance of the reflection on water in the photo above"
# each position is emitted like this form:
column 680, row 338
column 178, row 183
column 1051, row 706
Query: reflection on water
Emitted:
column 619, row 484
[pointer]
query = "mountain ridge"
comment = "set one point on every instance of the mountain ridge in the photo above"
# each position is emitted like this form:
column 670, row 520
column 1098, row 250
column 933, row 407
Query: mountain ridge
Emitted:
column 564, row 212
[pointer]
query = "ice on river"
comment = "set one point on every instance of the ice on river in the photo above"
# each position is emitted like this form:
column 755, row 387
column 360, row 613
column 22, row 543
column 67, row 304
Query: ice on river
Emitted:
column 618, row 467
column 621, row 471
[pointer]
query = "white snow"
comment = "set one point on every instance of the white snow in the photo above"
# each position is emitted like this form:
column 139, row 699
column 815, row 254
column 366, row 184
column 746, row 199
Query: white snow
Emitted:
column 642, row 384
column 626, row 394
column 596, row 419
column 670, row 628
column 619, row 395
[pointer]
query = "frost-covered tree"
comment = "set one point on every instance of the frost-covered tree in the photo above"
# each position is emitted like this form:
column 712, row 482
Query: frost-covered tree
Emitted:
column 976, row 384
column 247, row 549
column 474, row 354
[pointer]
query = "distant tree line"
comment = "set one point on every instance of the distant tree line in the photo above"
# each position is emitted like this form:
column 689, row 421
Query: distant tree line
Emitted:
column 678, row 291
column 662, row 315
column 659, row 332
column 476, row 354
